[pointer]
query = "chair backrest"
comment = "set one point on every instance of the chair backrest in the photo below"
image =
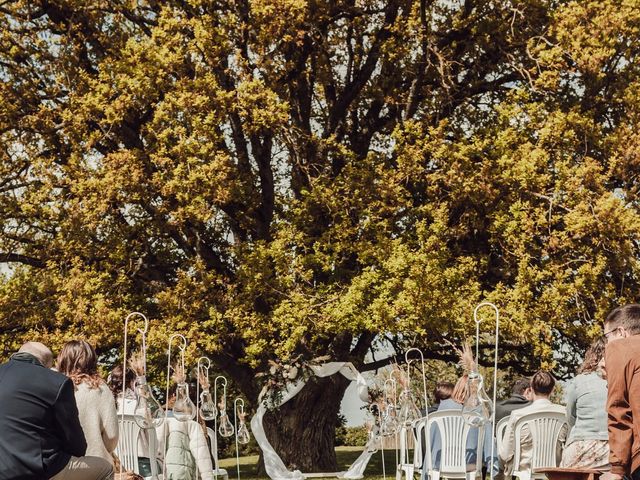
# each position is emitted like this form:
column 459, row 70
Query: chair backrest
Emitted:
column 454, row 433
column 127, row 448
column 501, row 428
column 420, row 443
column 545, row 429
column 214, row 447
column 403, row 436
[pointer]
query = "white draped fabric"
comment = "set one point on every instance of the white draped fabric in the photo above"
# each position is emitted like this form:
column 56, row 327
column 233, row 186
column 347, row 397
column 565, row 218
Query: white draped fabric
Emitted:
column 274, row 465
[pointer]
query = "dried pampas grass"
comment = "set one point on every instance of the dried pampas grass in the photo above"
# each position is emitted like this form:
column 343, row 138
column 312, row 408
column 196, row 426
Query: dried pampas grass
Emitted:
column 179, row 375
column 203, row 378
column 136, row 363
column 467, row 361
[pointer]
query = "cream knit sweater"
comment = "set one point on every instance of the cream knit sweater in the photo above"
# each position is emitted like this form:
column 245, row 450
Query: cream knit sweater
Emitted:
column 97, row 412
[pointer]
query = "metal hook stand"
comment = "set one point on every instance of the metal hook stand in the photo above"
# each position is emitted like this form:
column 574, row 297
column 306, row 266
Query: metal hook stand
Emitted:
column 199, row 368
column 143, row 333
column 182, row 347
column 392, row 382
column 215, row 419
column 495, row 369
column 424, row 377
column 236, row 402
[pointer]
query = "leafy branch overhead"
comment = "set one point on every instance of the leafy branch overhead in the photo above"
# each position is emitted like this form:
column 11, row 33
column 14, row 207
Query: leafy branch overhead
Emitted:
column 283, row 179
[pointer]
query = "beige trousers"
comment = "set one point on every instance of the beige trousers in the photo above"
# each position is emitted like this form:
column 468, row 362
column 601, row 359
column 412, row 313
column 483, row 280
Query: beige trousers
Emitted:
column 86, row 468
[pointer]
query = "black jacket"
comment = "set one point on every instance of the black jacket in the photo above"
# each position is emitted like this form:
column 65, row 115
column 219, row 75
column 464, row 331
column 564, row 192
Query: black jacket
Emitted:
column 39, row 426
column 505, row 407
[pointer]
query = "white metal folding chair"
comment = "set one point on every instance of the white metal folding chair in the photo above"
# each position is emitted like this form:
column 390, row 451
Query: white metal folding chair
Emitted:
column 546, row 429
column 220, row 472
column 127, row 448
column 454, row 433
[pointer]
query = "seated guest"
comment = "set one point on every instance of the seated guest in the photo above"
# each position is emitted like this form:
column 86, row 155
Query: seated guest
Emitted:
column 127, row 406
column 588, row 442
column 97, row 411
column 520, row 397
column 442, row 392
column 114, row 381
column 455, row 402
column 186, row 449
column 542, row 384
column 41, row 433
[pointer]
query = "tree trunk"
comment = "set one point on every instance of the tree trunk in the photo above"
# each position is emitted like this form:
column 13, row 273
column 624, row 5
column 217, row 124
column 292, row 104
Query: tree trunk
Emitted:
column 302, row 431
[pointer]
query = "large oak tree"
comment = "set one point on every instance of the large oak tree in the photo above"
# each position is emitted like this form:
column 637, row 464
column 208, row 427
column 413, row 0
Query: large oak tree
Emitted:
column 288, row 178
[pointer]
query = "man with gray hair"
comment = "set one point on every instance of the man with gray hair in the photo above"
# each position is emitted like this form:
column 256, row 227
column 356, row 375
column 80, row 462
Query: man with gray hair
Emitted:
column 41, row 433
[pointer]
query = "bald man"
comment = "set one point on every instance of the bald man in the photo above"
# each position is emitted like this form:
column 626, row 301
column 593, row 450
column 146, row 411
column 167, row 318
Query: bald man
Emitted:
column 40, row 434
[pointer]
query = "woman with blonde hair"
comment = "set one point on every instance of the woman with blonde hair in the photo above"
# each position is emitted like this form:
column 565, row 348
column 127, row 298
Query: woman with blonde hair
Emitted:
column 586, row 396
column 96, row 408
column 454, row 403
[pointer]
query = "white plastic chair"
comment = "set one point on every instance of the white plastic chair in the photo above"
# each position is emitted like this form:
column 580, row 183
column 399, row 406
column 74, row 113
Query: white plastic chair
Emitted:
column 454, row 433
column 407, row 465
column 546, row 429
column 404, row 466
column 220, row 472
column 501, row 428
column 127, row 448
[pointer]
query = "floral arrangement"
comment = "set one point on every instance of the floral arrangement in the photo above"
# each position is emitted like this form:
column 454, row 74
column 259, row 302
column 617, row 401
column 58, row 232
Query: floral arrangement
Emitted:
column 281, row 374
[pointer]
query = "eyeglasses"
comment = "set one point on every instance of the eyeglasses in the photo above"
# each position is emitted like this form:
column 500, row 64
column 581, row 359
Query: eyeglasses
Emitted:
column 606, row 334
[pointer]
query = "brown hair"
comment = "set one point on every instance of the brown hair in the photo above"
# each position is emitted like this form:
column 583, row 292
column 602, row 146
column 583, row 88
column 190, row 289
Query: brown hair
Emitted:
column 459, row 393
column 79, row 362
column 592, row 356
column 114, row 380
column 443, row 391
column 520, row 386
column 542, row 382
column 627, row 316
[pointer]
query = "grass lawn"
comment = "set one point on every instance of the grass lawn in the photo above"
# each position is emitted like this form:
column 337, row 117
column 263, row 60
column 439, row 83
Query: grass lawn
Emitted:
column 346, row 456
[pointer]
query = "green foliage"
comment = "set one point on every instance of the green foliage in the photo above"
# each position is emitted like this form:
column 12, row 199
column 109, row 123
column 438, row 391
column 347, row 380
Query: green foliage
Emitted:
column 278, row 179
column 353, row 436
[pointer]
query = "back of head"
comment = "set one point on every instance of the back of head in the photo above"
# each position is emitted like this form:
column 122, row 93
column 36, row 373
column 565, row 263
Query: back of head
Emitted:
column 520, row 386
column 115, row 379
column 593, row 356
column 40, row 351
column 78, row 361
column 443, row 391
column 542, row 383
column 627, row 316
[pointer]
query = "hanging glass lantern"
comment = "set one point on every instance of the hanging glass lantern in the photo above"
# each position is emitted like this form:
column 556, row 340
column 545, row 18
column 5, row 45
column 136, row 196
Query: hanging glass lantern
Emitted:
column 148, row 412
column 409, row 411
column 183, row 408
column 207, row 407
column 477, row 409
column 389, row 421
column 226, row 427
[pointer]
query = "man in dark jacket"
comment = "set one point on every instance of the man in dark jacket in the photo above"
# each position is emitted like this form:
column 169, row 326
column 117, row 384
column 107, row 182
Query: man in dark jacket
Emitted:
column 40, row 434
column 520, row 397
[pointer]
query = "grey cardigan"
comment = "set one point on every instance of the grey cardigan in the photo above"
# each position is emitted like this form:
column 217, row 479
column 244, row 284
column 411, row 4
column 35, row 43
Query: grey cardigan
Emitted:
column 586, row 408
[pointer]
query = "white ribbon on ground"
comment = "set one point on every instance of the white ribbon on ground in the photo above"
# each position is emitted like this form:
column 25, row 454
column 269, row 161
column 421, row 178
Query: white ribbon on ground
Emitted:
column 273, row 464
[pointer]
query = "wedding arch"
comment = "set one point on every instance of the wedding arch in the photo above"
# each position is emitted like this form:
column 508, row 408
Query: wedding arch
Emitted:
column 274, row 466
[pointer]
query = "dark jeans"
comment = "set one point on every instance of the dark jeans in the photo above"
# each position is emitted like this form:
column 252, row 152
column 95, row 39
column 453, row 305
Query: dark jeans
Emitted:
column 636, row 475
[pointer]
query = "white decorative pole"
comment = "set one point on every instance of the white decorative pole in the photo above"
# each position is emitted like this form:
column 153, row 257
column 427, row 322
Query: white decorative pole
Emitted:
column 204, row 370
column 238, row 402
column 215, row 420
column 143, row 334
column 182, row 347
column 392, row 382
column 424, row 377
column 495, row 370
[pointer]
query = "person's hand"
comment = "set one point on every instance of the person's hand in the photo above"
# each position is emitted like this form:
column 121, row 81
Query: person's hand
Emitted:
column 610, row 476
